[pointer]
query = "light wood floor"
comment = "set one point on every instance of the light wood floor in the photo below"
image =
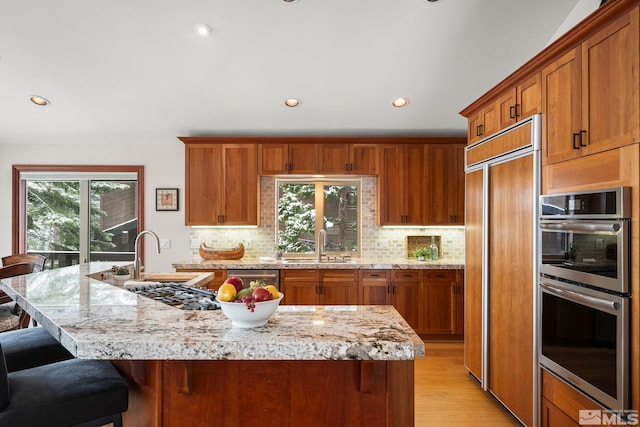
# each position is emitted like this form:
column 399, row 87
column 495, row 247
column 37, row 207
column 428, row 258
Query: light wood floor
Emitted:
column 446, row 395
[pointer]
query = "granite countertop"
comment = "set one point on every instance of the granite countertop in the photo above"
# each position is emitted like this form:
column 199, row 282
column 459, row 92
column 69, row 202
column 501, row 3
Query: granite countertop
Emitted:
column 198, row 263
column 96, row 320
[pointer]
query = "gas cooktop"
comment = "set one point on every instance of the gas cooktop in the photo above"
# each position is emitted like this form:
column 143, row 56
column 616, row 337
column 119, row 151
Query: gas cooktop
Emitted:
column 179, row 296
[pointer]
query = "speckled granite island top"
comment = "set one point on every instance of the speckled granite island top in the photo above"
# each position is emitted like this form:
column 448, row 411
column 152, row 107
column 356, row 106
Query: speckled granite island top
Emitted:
column 364, row 263
column 96, row 320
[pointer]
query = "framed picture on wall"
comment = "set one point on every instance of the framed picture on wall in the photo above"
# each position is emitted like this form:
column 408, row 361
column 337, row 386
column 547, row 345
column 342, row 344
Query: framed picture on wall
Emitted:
column 166, row 199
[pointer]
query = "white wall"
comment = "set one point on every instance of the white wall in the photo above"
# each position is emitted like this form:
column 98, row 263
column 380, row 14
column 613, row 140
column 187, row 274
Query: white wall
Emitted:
column 163, row 167
column 581, row 10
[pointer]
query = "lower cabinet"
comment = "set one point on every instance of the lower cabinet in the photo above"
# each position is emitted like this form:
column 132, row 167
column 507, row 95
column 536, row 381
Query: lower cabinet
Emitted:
column 561, row 404
column 443, row 302
column 319, row 287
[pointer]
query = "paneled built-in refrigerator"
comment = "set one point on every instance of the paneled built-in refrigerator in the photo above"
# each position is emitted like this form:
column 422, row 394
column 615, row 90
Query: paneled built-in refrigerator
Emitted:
column 502, row 185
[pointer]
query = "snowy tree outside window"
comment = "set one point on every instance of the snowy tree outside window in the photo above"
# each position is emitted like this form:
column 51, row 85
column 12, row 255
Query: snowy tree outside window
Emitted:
column 304, row 207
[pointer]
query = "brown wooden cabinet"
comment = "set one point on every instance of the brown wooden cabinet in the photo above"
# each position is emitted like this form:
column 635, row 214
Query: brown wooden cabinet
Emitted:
column 514, row 104
column 406, row 294
column 445, row 184
column 561, row 404
column 319, row 287
column 300, row 287
column 277, row 159
column 343, row 158
column 442, row 303
column 221, row 184
column 590, row 94
column 401, row 184
column 374, row 287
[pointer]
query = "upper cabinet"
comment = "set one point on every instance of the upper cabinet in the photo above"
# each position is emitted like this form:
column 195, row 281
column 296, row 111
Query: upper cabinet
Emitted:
column 278, row 159
column 221, row 184
column 516, row 103
column 401, row 184
column 591, row 97
column 445, row 184
column 343, row 158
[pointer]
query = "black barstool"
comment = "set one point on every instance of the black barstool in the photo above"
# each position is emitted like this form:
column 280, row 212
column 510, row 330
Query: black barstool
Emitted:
column 31, row 347
column 70, row 393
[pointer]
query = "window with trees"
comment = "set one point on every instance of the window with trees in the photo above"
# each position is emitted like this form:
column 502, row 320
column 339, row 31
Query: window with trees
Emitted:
column 75, row 216
column 306, row 206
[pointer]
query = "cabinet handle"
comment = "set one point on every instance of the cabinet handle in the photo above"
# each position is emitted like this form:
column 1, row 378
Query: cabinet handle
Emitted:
column 517, row 110
column 512, row 112
column 375, row 275
column 220, row 218
column 479, row 130
column 583, row 132
column 576, row 143
column 391, row 290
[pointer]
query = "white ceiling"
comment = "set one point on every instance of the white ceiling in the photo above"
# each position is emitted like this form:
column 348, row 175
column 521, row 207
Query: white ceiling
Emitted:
column 135, row 71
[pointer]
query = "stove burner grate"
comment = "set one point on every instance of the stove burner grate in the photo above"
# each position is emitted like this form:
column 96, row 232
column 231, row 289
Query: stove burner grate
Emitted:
column 179, row 296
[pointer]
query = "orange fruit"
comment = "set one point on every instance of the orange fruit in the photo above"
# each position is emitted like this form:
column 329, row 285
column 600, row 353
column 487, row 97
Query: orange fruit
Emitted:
column 226, row 292
column 273, row 291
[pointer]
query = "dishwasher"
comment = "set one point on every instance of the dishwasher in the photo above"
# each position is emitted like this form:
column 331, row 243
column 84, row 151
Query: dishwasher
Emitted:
column 270, row 277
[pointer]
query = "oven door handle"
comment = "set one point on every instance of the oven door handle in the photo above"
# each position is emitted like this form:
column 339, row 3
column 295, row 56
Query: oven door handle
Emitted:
column 580, row 298
column 611, row 227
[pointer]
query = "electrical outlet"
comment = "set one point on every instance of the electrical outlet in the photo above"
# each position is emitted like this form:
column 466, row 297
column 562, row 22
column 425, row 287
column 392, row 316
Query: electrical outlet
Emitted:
column 248, row 243
column 194, row 243
column 165, row 244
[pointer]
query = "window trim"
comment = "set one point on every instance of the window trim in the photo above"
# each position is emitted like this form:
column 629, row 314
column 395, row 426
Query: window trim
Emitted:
column 303, row 179
column 19, row 189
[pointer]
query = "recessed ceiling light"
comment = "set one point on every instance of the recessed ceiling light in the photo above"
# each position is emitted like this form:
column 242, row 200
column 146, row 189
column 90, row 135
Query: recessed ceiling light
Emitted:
column 292, row 102
column 289, row 1
column 400, row 102
column 202, row 29
column 38, row 100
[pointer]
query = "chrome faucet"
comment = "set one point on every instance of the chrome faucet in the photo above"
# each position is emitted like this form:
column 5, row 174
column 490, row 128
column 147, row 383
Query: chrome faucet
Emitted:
column 321, row 241
column 136, row 261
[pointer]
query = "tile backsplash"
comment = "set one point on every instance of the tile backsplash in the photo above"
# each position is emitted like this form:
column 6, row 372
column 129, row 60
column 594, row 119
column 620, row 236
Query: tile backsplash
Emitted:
column 376, row 242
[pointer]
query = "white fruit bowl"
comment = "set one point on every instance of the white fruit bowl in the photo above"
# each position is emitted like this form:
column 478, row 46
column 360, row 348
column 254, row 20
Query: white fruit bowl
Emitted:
column 242, row 317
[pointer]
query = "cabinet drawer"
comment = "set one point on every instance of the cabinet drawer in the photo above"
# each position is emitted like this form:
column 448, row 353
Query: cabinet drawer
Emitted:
column 374, row 275
column 299, row 275
column 406, row 275
column 440, row 275
column 342, row 276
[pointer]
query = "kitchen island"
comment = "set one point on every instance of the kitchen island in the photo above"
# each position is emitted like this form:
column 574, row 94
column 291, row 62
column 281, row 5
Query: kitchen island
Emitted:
column 311, row 365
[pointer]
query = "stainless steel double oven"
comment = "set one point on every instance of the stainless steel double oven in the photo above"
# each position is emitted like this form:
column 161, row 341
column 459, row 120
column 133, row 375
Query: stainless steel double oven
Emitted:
column 584, row 291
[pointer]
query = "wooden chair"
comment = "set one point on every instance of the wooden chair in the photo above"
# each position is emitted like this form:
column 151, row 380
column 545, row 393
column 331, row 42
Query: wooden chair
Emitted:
column 9, row 319
column 38, row 259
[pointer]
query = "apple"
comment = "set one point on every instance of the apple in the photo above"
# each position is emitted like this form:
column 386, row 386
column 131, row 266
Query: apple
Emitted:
column 262, row 294
column 235, row 281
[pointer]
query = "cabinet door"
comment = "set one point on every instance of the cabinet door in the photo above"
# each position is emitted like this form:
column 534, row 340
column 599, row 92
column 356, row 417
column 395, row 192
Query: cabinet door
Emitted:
column 473, row 131
column 362, row 159
column 510, row 283
column 458, row 293
column 529, row 97
column 406, row 295
column 203, row 178
column 439, row 302
column 303, row 158
column 391, row 185
column 490, row 120
column 414, row 185
column 561, row 108
column 552, row 416
column 240, row 184
column 339, row 287
column 300, row 287
column 445, row 183
column 334, row 158
column 274, row 159
column 507, row 106
column 611, row 96
column 374, row 285
column 473, row 272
